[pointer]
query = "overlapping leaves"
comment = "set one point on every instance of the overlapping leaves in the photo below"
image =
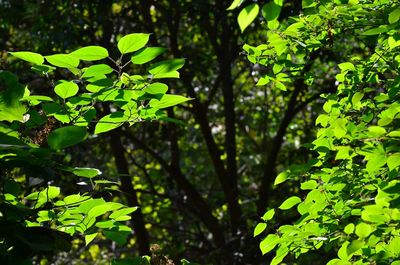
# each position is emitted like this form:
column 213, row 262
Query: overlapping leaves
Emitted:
column 350, row 193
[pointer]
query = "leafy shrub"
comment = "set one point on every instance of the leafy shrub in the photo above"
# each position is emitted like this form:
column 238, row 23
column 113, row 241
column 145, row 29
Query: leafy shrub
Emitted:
column 91, row 98
column 348, row 203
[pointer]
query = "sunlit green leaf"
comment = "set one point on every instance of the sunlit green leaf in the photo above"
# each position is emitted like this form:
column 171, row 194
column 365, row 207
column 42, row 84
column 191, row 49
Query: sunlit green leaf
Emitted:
column 269, row 243
column 110, row 122
column 289, row 203
column 31, row 57
column 90, row 53
column 393, row 161
column 247, row 15
column 96, row 70
column 103, row 208
column 168, row 101
column 89, row 238
column 63, row 60
column 146, row 55
column 234, row 4
column 268, row 215
column 66, row 89
column 259, row 229
column 363, row 230
column 394, row 16
column 123, row 212
column 132, row 42
column 86, row 172
column 282, row 177
column 156, row 88
column 349, row 229
column 167, row 68
column 86, row 206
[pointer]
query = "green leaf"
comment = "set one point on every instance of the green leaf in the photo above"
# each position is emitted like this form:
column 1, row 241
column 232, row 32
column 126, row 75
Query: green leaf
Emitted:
column 100, row 84
column 268, row 215
column 340, row 129
column 168, row 101
column 123, row 218
column 394, row 246
column 86, row 206
column 89, row 238
column 363, row 230
column 97, row 70
column 247, row 15
column 394, row 16
column 281, row 253
column 123, row 212
column 50, row 192
column 110, row 122
column 282, row 177
column 343, row 152
column 322, row 119
column 120, row 236
column 273, row 24
column 374, row 215
column 11, row 91
column 36, row 99
column 269, row 243
column 32, row 196
column 90, row 53
column 146, row 55
column 308, row 3
column 347, row 66
column 356, row 98
column 63, row 60
column 271, row 10
column 280, row 85
column 106, row 224
column 133, row 42
column 156, row 88
column 75, row 199
column 167, row 68
column 355, row 246
column 105, row 182
column 45, row 195
column 375, row 31
column 66, row 89
column 43, row 69
column 342, row 253
column 375, row 162
column 66, row 136
column 259, row 229
column 31, row 57
column 234, row 4
column 309, row 185
column 289, row 203
column 376, row 131
column 86, row 172
column 349, row 229
column 103, row 208
column 393, row 161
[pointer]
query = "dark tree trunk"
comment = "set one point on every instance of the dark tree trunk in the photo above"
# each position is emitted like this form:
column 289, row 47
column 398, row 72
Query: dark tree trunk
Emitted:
column 130, row 194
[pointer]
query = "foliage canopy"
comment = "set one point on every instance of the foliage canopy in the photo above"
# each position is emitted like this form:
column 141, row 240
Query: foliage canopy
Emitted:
column 117, row 150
